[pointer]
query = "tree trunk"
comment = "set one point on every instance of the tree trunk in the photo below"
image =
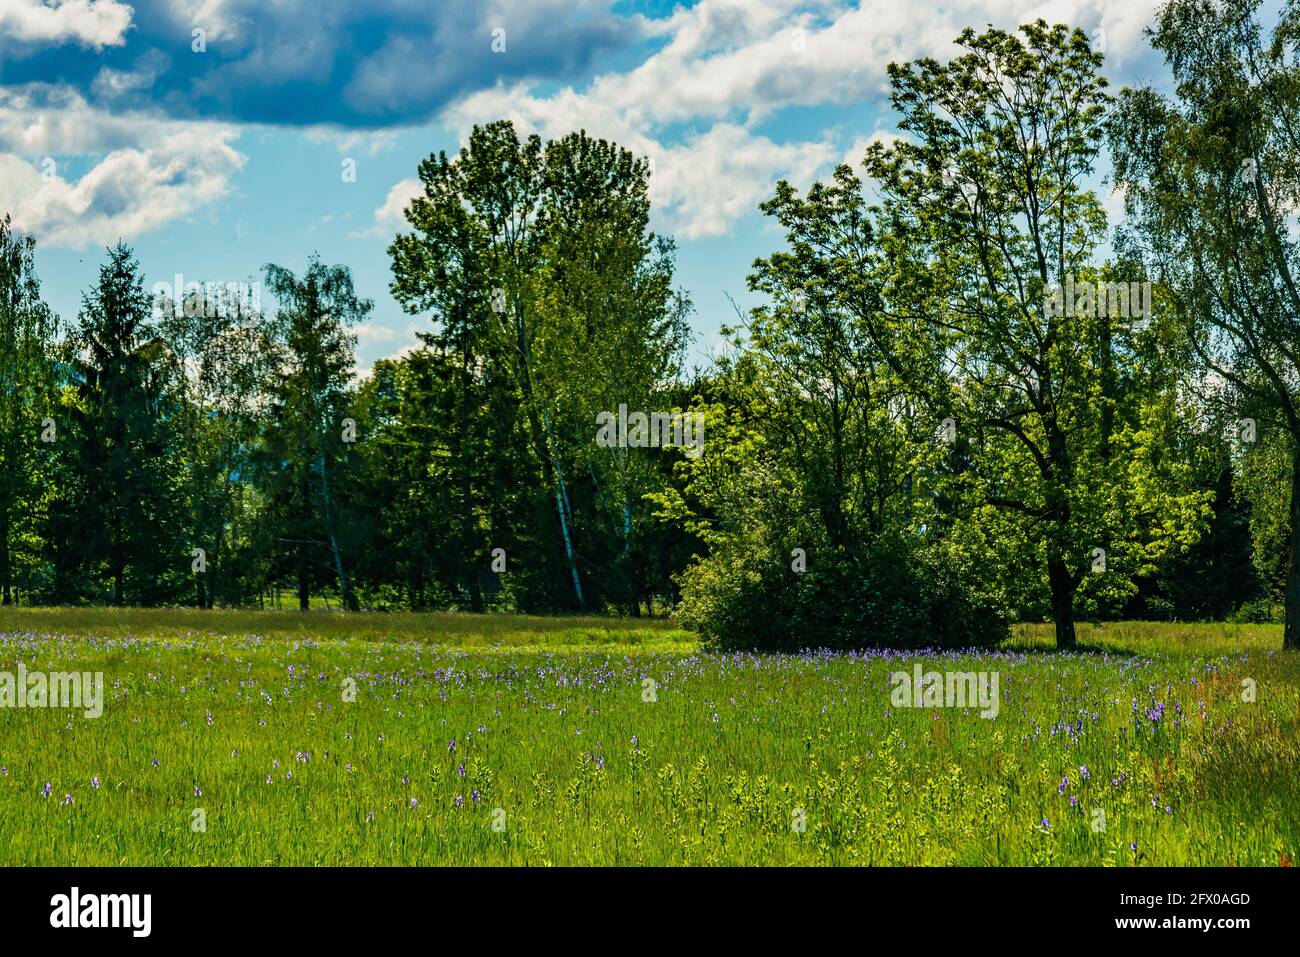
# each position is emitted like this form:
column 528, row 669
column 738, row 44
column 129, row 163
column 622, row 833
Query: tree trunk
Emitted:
column 1062, row 585
column 6, row 572
column 1291, row 632
column 349, row 601
column 304, row 591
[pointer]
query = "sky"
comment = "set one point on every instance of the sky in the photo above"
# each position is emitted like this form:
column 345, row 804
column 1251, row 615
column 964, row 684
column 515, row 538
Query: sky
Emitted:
column 216, row 136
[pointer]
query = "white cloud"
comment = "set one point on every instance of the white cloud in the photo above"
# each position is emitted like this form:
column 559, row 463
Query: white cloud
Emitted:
column 389, row 217
column 710, row 181
column 90, row 23
column 726, row 66
column 147, row 171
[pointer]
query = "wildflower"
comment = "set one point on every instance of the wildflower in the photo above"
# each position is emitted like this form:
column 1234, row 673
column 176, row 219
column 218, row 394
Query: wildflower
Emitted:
column 414, row 802
column 94, row 783
column 370, row 816
column 67, row 799
column 197, row 791
column 460, row 770
column 1065, row 783
column 459, row 802
column 155, row 762
column 452, row 746
column 1083, row 772
column 46, row 791
column 476, row 795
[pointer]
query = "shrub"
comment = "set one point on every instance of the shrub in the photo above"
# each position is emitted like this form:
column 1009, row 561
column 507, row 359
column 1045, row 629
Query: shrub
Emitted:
column 896, row 597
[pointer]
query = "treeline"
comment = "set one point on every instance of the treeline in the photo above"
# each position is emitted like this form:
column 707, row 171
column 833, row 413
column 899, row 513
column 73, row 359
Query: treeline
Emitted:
column 217, row 449
column 957, row 407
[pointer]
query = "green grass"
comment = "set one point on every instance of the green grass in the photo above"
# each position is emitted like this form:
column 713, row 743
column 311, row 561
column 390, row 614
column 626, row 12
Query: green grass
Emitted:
column 552, row 726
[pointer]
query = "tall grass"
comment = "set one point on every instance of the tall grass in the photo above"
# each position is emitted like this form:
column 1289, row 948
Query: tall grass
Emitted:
column 635, row 748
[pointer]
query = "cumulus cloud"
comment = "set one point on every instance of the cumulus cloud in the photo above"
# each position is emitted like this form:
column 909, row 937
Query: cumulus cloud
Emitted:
column 389, row 217
column 726, row 68
column 87, row 23
column 362, row 65
column 146, row 171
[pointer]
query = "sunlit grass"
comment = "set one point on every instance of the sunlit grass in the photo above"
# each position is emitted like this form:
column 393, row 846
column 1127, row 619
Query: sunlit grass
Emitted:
column 597, row 741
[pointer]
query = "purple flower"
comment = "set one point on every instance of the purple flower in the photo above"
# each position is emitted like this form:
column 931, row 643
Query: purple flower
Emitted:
column 459, row 802
column 67, row 799
column 452, row 746
column 155, row 762
column 370, row 816
column 414, row 802
column 46, row 791
column 460, row 769
column 197, row 791
column 94, row 783
column 1083, row 772
column 476, row 795
column 1065, row 783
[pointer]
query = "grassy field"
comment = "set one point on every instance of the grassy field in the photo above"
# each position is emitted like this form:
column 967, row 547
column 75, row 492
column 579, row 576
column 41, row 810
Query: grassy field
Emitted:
column 230, row 738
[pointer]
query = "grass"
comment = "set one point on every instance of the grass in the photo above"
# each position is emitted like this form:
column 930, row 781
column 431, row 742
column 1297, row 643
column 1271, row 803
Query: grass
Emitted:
column 599, row 741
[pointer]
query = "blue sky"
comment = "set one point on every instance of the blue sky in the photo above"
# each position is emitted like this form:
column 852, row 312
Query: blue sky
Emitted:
column 217, row 152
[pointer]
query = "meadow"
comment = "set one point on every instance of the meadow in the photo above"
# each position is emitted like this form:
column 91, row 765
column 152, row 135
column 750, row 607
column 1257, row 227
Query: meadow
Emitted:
column 268, row 738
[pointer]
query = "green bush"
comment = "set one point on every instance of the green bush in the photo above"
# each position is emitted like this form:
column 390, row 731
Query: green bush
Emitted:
column 899, row 597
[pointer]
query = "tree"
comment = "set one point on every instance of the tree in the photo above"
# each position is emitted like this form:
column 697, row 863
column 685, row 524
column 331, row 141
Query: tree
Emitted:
column 536, row 259
column 987, row 225
column 27, row 394
column 1211, row 179
column 305, row 458
column 117, row 518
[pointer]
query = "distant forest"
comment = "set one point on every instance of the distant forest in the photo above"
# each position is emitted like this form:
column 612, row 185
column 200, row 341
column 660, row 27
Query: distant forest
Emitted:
column 966, row 400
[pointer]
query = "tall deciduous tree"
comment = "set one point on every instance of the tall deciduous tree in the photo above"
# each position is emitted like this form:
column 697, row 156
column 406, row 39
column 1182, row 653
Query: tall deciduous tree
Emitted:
column 1212, row 182
column 986, row 211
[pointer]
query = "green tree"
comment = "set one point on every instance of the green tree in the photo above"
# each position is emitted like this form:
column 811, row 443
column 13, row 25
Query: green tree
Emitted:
column 1211, row 178
column 306, row 437
column 28, row 392
column 119, row 515
column 985, row 214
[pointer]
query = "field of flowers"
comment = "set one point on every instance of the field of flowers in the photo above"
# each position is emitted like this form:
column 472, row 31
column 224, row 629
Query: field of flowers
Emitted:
column 238, row 739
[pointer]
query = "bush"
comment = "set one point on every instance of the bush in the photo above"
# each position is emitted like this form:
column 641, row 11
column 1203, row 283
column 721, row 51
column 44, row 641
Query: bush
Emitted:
column 900, row 597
